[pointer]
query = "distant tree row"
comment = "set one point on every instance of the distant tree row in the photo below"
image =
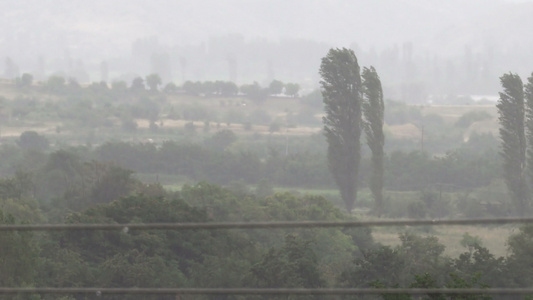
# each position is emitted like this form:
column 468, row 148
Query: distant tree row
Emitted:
column 253, row 91
column 153, row 83
column 218, row 160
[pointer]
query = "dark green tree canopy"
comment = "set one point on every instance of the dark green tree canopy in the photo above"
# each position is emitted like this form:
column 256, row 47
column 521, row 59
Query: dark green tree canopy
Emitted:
column 512, row 132
column 31, row 140
column 292, row 89
column 153, row 81
column 275, row 87
column 55, row 83
column 137, row 84
column 342, row 93
column 528, row 94
column 373, row 110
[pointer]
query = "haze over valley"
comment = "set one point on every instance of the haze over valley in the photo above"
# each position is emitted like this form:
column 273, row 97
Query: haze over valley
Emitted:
column 425, row 50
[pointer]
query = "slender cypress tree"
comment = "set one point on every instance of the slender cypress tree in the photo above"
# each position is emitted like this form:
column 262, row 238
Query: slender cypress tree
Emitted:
column 342, row 94
column 373, row 111
column 512, row 132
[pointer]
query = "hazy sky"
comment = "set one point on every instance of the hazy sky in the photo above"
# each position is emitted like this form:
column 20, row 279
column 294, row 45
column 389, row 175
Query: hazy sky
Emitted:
column 113, row 25
column 98, row 30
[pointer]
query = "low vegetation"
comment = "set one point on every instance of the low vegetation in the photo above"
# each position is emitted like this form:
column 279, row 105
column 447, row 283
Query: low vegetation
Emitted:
column 122, row 154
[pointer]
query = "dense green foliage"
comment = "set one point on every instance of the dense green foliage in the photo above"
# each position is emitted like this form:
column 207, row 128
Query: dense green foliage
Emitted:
column 342, row 93
column 292, row 258
column 528, row 97
column 512, row 132
column 516, row 131
column 122, row 143
column 373, row 111
column 84, row 169
column 176, row 258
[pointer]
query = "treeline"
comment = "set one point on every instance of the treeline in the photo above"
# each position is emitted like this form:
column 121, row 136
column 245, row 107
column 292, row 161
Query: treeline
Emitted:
column 119, row 107
column 104, row 113
column 413, row 170
column 291, row 258
column 153, row 83
column 209, row 161
column 219, row 159
column 228, row 88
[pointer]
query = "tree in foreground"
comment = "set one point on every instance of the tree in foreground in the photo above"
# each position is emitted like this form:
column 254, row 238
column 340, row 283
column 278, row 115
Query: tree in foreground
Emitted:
column 373, row 110
column 18, row 256
column 512, row 133
column 342, row 94
column 295, row 265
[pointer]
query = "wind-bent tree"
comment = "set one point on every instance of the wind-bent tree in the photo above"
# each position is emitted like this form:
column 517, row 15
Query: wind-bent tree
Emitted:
column 528, row 94
column 512, row 133
column 373, row 111
column 342, row 94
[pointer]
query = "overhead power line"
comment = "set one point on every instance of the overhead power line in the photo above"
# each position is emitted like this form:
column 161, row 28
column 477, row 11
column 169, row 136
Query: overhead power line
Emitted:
column 263, row 291
column 258, row 225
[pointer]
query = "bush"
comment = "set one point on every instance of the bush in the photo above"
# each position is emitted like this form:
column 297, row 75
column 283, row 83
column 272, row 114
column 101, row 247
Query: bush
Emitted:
column 31, row 140
column 470, row 242
column 221, row 140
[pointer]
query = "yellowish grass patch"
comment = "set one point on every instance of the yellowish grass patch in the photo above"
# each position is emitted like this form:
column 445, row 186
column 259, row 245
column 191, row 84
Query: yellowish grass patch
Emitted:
column 493, row 238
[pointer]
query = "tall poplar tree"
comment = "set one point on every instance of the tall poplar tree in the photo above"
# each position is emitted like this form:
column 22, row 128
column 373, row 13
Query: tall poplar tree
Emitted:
column 373, row 111
column 528, row 94
column 512, row 133
column 342, row 94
